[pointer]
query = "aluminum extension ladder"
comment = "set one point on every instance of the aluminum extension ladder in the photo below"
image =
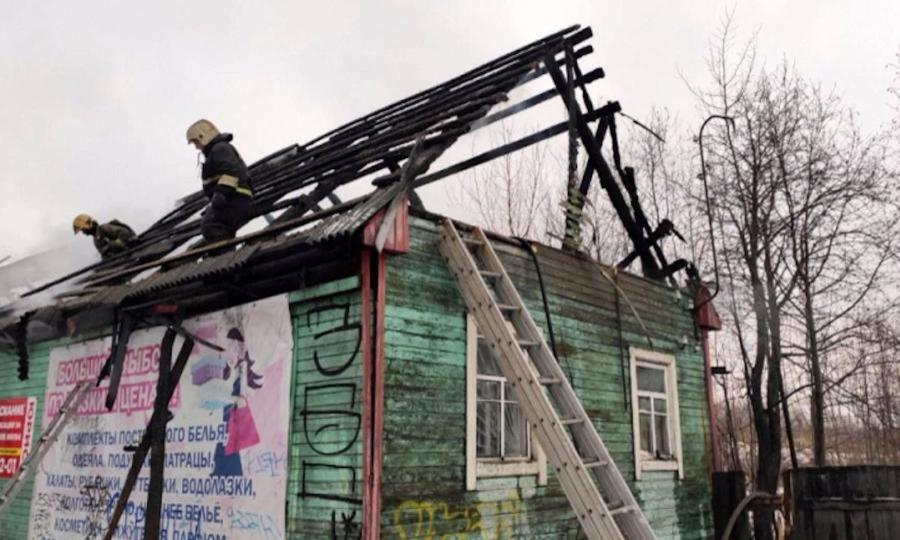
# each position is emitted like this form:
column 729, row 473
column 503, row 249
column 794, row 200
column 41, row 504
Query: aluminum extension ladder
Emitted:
column 595, row 488
column 45, row 442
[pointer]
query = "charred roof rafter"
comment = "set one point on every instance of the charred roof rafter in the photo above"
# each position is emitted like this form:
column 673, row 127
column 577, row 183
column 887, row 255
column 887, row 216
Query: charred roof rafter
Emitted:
column 377, row 143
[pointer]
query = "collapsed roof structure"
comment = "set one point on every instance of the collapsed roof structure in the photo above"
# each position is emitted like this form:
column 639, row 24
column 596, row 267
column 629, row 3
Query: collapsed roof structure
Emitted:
column 314, row 243
column 394, row 147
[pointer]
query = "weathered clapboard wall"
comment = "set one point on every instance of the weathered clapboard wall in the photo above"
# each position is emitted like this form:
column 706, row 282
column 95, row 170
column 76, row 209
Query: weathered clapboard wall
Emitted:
column 845, row 503
column 325, row 480
column 423, row 490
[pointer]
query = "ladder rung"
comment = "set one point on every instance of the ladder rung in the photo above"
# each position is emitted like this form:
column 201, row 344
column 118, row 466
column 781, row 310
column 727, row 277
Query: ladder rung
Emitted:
column 549, row 380
column 595, row 463
column 473, row 241
column 522, row 342
column 571, row 420
column 491, row 274
column 508, row 307
column 620, row 509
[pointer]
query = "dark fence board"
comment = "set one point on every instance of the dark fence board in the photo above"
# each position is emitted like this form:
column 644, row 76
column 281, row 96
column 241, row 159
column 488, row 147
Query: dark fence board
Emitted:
column 846, row 503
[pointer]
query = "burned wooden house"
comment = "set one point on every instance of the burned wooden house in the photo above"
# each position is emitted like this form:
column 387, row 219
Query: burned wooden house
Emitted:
column 365, row 368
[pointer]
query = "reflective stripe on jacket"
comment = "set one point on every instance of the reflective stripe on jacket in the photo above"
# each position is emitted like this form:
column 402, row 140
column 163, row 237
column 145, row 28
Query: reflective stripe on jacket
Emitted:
column 223, row 169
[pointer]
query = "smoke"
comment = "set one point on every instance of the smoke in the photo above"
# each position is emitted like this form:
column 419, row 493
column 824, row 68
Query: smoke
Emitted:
column 20, row 276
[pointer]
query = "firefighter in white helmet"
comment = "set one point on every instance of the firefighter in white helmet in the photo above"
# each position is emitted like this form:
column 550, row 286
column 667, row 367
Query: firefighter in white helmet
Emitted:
column 109, row 239
column 226, row 182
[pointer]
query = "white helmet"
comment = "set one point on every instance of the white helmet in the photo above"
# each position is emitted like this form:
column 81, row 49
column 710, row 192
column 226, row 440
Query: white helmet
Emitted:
column 202, row 131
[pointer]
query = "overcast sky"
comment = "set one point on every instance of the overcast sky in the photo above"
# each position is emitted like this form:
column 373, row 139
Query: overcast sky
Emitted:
column 96, row 96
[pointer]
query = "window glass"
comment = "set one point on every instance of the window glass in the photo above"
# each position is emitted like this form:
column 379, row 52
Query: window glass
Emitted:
column 657, row 445
column 486, row 364
column 644, row 403
column 488, row 429
column 502, row 430
column 646, row 432
column 651, row 379
column 498, row 437
column 659, row 405
column 488, row 389
column 662, row 436
column 654, row 428
column 516, row 436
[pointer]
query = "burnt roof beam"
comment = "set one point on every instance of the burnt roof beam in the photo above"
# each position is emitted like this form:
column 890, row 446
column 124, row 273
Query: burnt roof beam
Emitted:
column 198, row 201
column 607, row 181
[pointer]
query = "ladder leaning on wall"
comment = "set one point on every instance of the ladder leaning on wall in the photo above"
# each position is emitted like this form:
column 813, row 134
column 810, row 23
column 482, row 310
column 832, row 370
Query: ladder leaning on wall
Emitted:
column 45, row 442
column 594, row 486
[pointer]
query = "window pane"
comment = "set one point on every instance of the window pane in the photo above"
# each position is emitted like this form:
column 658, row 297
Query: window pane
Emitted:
column 486, row 364
column 651, row 379
column 488, row 389
column 516, row 432
column 488, row 430
column 646, row 433
column 659, row 405
column 662, row 436
column 644, row 404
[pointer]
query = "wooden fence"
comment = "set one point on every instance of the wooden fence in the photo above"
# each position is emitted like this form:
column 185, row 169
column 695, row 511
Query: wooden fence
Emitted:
column 844, row 503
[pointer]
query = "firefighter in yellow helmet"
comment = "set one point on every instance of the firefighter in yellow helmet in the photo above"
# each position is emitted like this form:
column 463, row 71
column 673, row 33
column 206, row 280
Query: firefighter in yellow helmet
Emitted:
column 226, row 182
column 109, row 239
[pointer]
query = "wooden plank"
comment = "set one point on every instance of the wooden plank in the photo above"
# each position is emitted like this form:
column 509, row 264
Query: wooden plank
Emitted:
column 157, row 430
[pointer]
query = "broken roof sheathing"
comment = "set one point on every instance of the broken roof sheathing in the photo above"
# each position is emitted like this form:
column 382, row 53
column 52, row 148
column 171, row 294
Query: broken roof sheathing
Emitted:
column 378, row 144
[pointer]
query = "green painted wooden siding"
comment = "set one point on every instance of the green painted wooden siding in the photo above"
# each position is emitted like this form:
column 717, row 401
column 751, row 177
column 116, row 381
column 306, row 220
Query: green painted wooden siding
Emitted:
column 325, row 462
column 423, row 489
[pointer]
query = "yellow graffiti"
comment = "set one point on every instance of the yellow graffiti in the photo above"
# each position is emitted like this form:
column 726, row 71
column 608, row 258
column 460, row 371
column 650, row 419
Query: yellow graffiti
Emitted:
column 437, row 520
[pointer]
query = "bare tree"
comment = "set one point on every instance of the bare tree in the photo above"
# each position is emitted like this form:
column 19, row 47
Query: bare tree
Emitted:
column 516, row 194
column 803, row 209
column 833, row 178
column 748, row 210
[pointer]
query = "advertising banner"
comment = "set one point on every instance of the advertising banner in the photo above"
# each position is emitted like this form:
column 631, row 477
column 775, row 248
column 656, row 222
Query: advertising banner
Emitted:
column 226, row 442
column 16, row 425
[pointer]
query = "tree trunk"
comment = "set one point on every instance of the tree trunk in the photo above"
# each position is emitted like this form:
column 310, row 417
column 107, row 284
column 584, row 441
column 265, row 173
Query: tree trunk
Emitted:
column 817, row 405
column 766, row 415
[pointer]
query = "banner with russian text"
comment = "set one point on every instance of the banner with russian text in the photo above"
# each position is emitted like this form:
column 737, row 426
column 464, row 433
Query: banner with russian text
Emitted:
column 16, row 425
column 226, row 444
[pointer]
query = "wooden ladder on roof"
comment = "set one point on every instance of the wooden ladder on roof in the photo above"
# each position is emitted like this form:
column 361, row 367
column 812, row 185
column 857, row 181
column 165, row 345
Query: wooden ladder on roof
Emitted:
column 45, row 442
column 603, row 503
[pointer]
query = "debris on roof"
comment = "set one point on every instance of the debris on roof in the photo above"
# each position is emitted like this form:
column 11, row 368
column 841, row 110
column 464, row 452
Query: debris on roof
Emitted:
column 297, row 186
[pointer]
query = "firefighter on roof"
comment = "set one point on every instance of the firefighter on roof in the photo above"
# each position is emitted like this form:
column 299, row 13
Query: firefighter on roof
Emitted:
column 109, row 239
column 226, row 182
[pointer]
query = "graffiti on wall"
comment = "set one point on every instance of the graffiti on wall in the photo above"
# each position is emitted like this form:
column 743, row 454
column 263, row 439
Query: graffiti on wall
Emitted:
column 331, row 419
column 440, row 520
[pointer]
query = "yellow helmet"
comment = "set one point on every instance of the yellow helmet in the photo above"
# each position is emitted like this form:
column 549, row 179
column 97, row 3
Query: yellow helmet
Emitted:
column 202, row 131
column 83, row 222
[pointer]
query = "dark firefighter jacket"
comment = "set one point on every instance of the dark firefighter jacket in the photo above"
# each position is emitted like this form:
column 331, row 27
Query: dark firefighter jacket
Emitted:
column 112, row 238
column 224, row 171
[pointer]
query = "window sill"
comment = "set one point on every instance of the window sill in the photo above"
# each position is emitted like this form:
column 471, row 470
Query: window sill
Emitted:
column 659, row 465
column 507, row 468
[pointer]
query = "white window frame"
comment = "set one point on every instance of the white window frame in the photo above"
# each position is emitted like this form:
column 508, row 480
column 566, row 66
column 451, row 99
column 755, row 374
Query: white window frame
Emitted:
column 666, row 362
column 477, row 467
